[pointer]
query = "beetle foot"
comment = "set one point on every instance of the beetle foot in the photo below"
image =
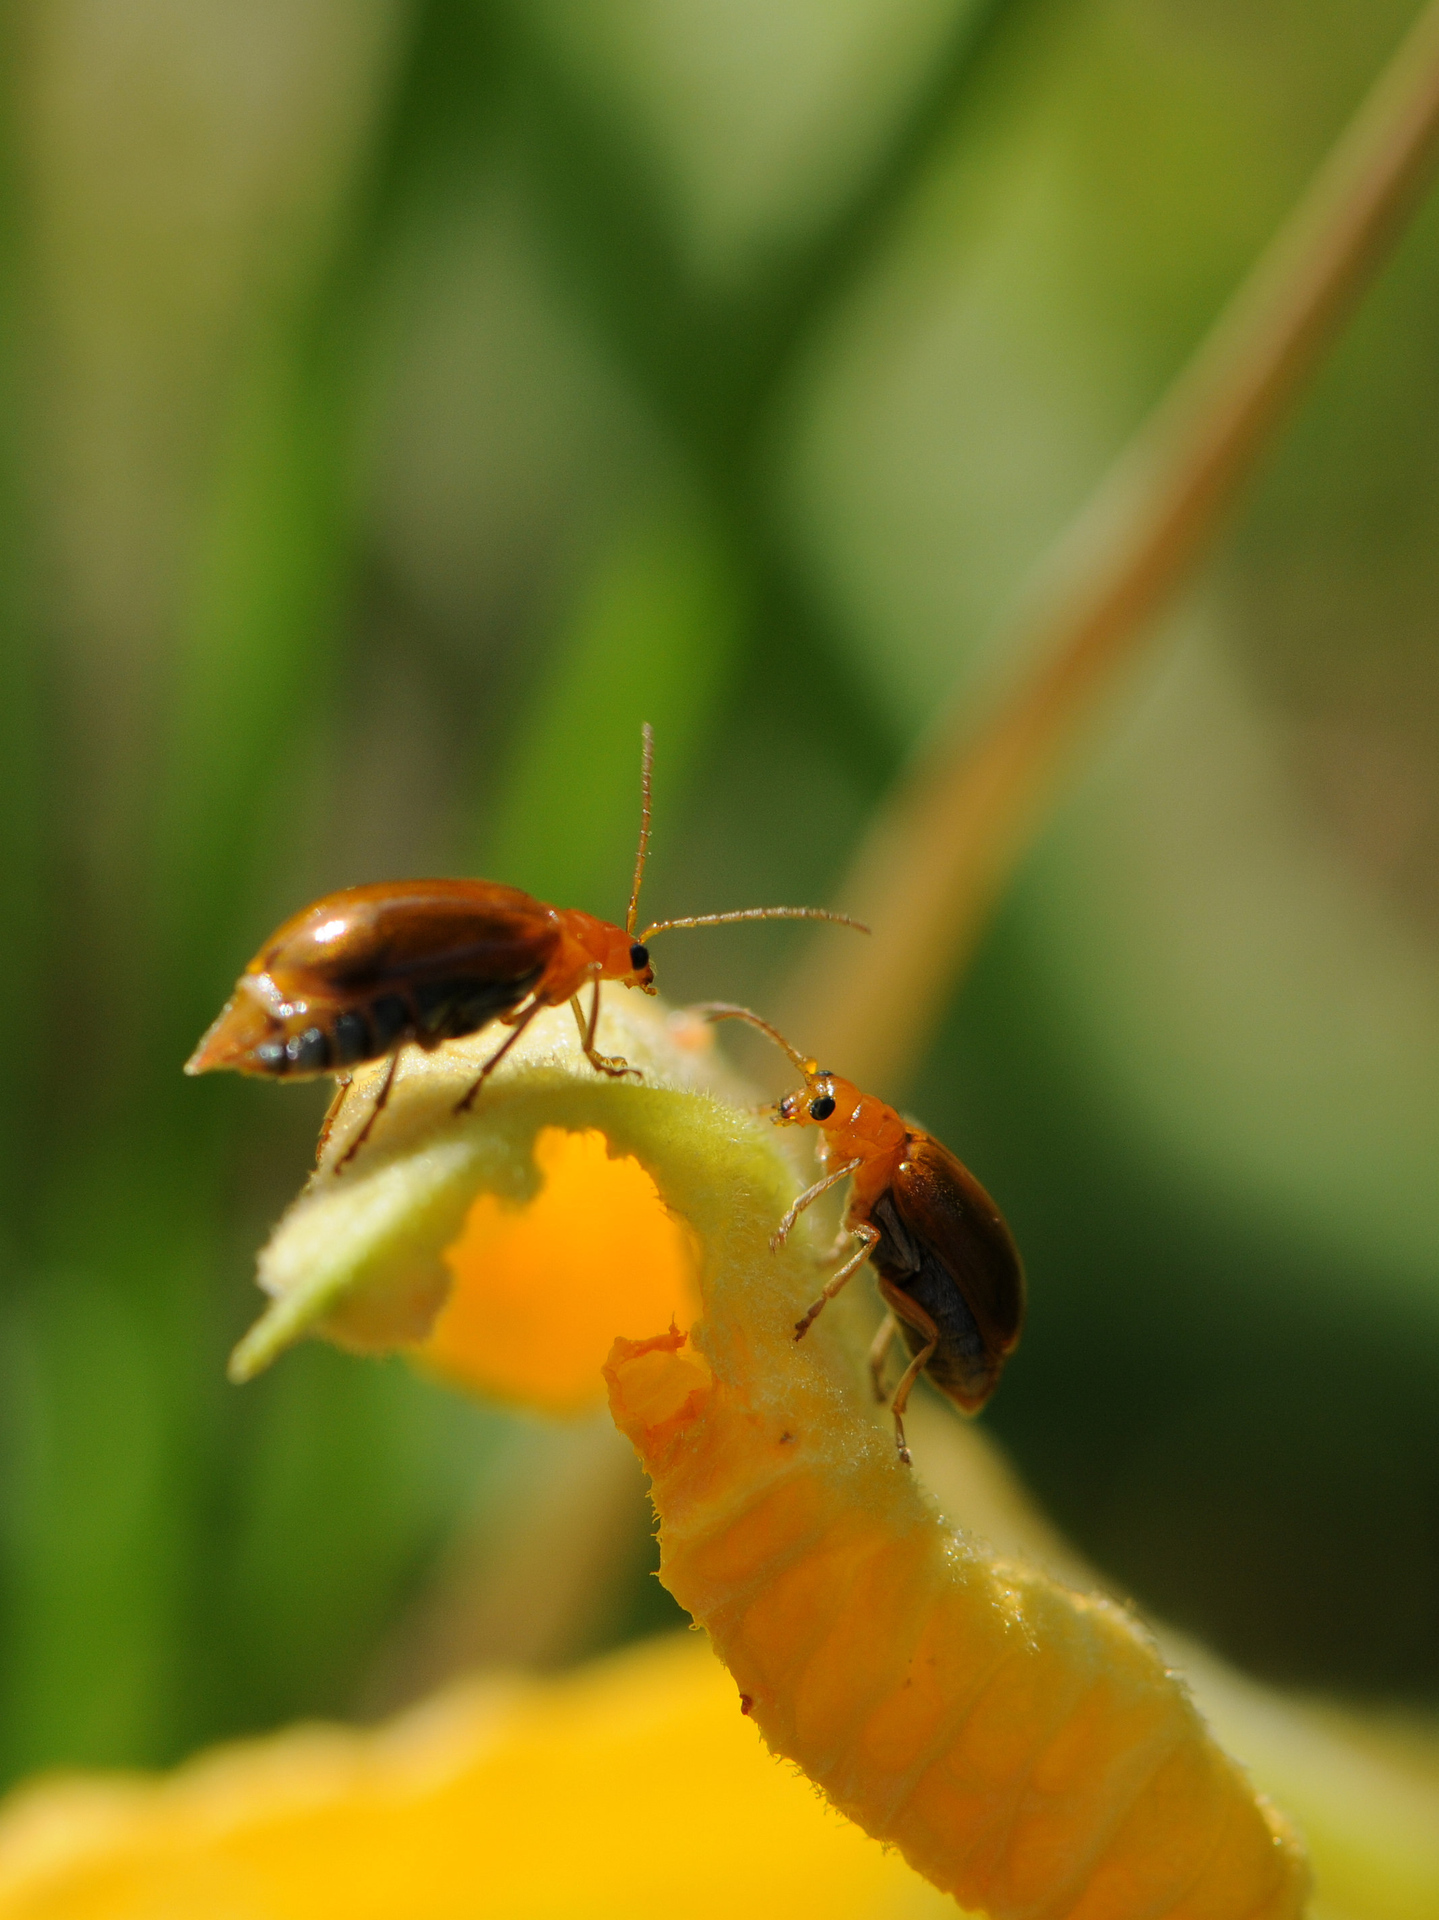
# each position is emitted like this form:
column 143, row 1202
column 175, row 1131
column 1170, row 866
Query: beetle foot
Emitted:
column 612, row 1065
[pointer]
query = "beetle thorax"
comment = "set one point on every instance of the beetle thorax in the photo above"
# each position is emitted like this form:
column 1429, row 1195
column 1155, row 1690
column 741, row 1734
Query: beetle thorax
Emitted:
column 861, row 1126
column 852, row 1125
column 590, row 948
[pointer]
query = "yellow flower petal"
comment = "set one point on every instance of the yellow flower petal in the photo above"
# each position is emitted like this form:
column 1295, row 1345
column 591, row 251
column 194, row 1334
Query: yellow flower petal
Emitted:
column 636, row 1787
column 515, row 1325
column 371, row 1251
column 1022, row 1744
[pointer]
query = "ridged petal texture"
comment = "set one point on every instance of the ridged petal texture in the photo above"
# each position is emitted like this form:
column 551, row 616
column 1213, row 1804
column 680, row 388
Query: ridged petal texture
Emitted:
column 1021, row 1744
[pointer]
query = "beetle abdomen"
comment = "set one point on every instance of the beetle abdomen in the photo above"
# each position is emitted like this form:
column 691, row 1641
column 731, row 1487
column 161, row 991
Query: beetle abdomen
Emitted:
column 961, row 1366
column 332, row 1039
column 362, row 971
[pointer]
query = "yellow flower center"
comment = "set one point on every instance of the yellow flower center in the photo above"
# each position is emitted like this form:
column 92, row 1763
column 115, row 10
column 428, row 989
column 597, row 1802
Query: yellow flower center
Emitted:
column 521, row 1323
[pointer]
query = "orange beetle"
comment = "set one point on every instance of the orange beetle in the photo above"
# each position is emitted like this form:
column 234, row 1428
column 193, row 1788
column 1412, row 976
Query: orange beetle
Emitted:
column 365, row 972
column 949, row 1270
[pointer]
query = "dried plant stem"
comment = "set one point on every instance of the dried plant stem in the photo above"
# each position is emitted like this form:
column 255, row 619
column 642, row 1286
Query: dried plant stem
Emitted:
column 947, row 841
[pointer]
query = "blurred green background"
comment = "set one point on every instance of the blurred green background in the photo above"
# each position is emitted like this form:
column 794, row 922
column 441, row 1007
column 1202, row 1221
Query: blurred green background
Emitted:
column 402, row 402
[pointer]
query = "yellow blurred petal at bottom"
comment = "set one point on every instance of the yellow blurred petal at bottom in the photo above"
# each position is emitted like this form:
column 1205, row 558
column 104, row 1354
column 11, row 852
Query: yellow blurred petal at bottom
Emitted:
column 540, row 1289
column 634, row 1787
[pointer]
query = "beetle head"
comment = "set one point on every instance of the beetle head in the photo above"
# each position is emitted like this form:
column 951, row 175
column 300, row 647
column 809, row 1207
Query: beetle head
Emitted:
column 618, row 954
column 814, row 1104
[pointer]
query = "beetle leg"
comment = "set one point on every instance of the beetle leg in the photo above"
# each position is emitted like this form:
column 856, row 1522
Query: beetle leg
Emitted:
column 879, row 1353
column 371, row 1117
column 914, row 1316
column 332, row 1114
column 810, row 1194
column 867, row 1237
column 611, row 1064
column 519, row 1025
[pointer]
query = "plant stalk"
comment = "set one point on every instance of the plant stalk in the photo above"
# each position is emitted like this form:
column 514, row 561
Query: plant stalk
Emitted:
column 961, row 817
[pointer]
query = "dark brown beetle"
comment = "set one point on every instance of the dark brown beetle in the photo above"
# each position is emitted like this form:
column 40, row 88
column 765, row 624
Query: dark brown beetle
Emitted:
column 948, row 1268
column 364, row 973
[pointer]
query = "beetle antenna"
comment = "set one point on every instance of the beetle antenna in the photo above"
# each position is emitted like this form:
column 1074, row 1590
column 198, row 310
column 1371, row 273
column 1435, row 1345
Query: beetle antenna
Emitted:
column 717, row 1010
column 754, row 913
column 647, row 761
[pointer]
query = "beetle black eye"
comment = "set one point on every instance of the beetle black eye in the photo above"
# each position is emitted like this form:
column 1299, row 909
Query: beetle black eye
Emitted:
column 822, row 1108
column 639, row 956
